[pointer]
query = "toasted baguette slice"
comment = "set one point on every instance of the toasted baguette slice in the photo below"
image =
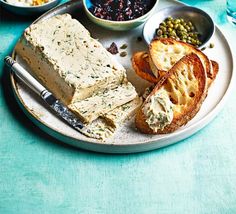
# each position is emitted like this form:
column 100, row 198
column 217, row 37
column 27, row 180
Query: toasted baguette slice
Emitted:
column 186, row 87
column 215, row 70
column 164, row 53
column 140, row 62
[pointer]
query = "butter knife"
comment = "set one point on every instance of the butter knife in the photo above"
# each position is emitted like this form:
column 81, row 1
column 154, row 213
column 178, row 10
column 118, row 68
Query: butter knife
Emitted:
column 60, row 109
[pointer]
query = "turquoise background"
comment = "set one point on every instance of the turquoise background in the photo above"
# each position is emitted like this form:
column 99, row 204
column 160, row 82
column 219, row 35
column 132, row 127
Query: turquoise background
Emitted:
column 39, row 174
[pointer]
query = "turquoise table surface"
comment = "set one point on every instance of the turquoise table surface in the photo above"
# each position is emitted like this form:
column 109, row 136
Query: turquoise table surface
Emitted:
column 39, row 174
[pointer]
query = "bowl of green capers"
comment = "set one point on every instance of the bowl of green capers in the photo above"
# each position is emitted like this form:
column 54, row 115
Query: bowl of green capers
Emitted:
column 183, row 23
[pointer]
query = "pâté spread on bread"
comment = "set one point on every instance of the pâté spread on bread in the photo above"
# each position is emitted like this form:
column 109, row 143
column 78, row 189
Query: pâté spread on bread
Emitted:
column 183, row 72
column 158, row 110
column 184, row 88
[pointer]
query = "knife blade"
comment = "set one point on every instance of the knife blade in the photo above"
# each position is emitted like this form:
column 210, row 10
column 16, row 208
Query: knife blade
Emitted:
column 61, row 110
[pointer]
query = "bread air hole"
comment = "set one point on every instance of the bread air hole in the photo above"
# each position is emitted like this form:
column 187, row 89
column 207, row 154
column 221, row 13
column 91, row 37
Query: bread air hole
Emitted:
column 190, row 77
column 191, row 94
column 168, row 87
column 173, row 100
column 177, row 51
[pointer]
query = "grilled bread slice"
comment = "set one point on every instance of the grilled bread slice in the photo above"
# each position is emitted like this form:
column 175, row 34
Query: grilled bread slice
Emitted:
column 215, row 70
column 164, row 53
column 140, row 63
column 176, row 98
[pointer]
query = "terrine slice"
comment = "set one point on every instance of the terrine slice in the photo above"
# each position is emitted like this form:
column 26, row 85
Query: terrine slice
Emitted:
column 99, row 104
column 106, row 125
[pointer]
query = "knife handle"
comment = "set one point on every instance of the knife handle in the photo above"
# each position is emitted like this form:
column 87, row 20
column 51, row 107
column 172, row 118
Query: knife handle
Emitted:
column 24, row 75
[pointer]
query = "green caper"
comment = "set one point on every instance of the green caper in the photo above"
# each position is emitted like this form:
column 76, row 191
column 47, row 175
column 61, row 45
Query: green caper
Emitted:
column 124, row 46
column 123, row 53
column 176, row 26
column 159, row 32
column 179, row 27
column 211, row 45
column 163, row 24
column 173, row 33
column 190, row 24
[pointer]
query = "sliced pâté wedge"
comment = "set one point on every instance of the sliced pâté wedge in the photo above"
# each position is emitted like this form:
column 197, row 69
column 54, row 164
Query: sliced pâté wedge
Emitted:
column 176, row 98
column 106, row 125
column 116, row 117
column 99, row 104
column 164, row 53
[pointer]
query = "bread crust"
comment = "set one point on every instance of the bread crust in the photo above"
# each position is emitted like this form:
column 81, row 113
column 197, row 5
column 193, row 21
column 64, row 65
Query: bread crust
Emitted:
column 215, row 70
column 140, row 63
column 188, row 111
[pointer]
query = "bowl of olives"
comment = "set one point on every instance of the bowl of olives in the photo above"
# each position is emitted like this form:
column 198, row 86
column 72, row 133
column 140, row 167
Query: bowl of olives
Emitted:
column 183, row 23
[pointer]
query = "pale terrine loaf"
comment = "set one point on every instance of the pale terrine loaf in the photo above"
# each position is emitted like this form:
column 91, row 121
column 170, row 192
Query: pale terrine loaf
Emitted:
column 61, row 53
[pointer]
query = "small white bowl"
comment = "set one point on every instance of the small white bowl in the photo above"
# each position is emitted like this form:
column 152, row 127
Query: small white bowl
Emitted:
column 29, row 10
column 200, row 19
